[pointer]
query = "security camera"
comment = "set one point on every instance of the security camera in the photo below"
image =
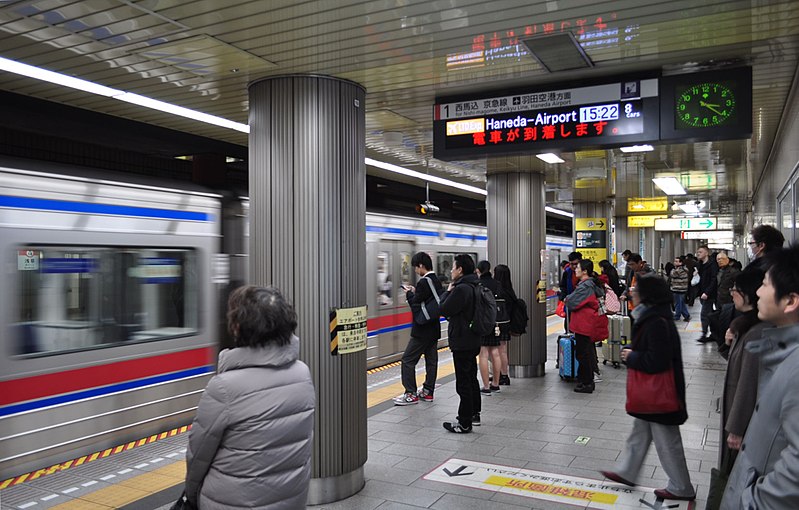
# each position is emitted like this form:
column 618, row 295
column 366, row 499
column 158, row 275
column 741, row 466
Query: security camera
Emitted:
column 427, row 208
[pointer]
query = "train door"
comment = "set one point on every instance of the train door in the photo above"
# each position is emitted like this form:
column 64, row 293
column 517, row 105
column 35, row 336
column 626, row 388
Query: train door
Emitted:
column 393, row 270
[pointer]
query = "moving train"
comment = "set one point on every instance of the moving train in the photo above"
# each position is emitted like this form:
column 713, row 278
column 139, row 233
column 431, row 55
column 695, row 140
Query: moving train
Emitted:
column 113, row 302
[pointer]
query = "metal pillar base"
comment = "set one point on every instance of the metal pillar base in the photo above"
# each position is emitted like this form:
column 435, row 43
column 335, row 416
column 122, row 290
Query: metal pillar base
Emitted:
column 526, row 371
column 335, row 488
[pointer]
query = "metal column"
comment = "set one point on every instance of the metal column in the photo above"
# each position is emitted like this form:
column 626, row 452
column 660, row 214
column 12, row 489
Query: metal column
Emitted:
column 308, row 237
column 516, row 236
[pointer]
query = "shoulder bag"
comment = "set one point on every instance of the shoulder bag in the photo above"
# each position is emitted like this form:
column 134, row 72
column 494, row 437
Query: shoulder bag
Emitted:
column 429, row 310
column 652, row 393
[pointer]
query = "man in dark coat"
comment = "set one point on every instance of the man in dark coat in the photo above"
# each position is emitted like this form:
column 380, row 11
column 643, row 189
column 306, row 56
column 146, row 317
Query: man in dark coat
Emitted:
column 457, row 305
column 708, row 286
column 424, row 337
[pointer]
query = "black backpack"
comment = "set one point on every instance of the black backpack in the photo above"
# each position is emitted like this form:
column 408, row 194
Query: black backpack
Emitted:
column 485, row 312
column 503, row 310
column 519, row 318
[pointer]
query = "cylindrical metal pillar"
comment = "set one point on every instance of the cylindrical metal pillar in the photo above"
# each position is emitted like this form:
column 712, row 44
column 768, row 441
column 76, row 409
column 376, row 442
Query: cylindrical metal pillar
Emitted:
column 308, row 237
column 516, row 236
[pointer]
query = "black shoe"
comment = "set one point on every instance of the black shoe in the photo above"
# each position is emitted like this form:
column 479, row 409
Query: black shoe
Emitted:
column 703, row 339
column 504, row 380
column 494, row 389
column 456, row 428
column 584, row 388
column 687, row 319
column 476, row 420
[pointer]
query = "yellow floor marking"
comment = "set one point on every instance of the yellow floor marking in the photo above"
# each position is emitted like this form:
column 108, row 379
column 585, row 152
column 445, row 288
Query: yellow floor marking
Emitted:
column 554, row 329
column 133, row 489
column 379, row 395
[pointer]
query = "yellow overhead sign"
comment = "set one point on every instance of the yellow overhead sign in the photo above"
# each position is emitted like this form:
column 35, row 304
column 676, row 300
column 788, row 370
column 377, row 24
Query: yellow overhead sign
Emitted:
column 590, row 224
column 594, row 254
column 647, row 205
column 643, row 221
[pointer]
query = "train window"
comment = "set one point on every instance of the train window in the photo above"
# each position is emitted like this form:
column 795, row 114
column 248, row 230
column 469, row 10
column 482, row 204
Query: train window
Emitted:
column 385, row 290
column 444, row 262
column 84, row 297
column 406, row 271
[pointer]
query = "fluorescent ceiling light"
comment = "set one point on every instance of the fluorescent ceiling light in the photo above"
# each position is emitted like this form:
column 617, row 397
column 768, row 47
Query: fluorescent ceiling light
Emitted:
column 424, row 177
column 637, row 148
column 549, row 158
column 93, row 88
column 558, row 211
column 669, row 185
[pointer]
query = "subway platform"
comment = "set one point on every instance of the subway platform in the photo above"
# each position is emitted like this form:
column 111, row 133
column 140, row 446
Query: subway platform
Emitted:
column 540, row 446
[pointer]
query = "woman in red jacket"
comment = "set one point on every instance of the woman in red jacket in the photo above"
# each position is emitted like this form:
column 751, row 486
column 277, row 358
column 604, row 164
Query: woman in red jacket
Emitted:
column 586, row 322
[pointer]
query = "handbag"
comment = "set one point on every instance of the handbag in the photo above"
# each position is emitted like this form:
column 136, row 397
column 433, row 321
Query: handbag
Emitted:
column 183, row 503
column 560, row 311
column 695, row 278
column 612, row 304
column 718, row 482
column 652, row 393
column 428, row 311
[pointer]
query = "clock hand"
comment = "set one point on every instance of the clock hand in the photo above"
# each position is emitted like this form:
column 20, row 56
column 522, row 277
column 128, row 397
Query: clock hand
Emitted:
column 711, row 107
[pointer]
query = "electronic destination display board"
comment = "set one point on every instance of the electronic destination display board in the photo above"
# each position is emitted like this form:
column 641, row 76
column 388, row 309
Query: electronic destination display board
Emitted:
column 601, row 116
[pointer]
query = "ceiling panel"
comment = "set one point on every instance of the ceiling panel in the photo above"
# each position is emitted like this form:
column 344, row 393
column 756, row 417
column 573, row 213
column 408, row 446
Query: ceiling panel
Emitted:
column 202, row 55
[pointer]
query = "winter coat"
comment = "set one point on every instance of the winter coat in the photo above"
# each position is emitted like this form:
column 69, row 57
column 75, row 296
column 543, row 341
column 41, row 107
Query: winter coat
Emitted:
column 583, row 306
column 656, row 348
column 568, row 282
column 680, row 279
column 707, row 278
column 432, row 330
column 250, row 443
column 457, row 306
column 740, row 380
column 725, row 279
column 766, row 473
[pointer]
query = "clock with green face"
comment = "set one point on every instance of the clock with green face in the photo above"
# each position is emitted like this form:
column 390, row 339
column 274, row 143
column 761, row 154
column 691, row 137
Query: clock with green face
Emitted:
column 705, row 104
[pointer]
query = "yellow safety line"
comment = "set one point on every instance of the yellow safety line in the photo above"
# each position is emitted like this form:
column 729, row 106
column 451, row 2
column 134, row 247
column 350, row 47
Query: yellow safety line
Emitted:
column 127, row 491
column 385, row 393
column 89, row 458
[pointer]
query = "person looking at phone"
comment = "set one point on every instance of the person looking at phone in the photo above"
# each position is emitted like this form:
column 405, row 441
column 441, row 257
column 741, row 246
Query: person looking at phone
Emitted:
column 424, row 337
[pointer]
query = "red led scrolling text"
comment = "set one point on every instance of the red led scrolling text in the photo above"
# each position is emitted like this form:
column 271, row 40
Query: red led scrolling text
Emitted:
column 532, row 134
column 496, row 39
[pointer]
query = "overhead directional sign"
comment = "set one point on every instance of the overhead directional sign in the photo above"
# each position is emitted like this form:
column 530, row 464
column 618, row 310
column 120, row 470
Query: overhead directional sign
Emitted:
column 647, row 205
column 590, row 224
column 698, row 180
column 643, row 221
column 674, row 224
column 712, row 235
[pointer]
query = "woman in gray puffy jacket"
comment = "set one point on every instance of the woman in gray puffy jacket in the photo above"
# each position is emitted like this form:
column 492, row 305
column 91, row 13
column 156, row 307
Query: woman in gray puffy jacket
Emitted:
column 250, row 443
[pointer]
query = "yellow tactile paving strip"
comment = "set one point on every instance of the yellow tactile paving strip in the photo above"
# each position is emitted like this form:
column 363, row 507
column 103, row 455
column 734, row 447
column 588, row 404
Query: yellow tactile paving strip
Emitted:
column 379, row 395
column 94, row 456
column 125, row 492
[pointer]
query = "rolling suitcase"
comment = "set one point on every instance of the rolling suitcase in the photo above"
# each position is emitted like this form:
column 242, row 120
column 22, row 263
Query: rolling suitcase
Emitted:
column 567, row 363
column 620, row 331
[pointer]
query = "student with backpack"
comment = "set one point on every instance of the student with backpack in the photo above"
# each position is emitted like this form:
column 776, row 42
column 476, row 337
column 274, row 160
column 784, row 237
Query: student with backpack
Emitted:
column 459, row 304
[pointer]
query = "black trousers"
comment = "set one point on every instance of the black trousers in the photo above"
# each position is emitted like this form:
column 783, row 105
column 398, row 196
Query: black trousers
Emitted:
column 416, row 347
column 585, row 358
column 466, row 384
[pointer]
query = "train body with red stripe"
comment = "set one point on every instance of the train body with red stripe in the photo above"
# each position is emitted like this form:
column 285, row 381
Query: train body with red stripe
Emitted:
column 113, row 302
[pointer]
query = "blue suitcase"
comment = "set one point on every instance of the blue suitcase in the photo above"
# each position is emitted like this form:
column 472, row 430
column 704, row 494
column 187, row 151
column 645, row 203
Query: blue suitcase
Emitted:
column 567, row 363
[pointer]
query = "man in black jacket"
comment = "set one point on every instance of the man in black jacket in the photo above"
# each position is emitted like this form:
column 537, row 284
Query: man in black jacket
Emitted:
column 707, row 288
column 424, row 337
column 457, row 305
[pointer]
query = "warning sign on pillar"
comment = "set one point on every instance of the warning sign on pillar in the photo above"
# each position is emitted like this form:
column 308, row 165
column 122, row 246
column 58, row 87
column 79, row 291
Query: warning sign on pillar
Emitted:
column 562, row 489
